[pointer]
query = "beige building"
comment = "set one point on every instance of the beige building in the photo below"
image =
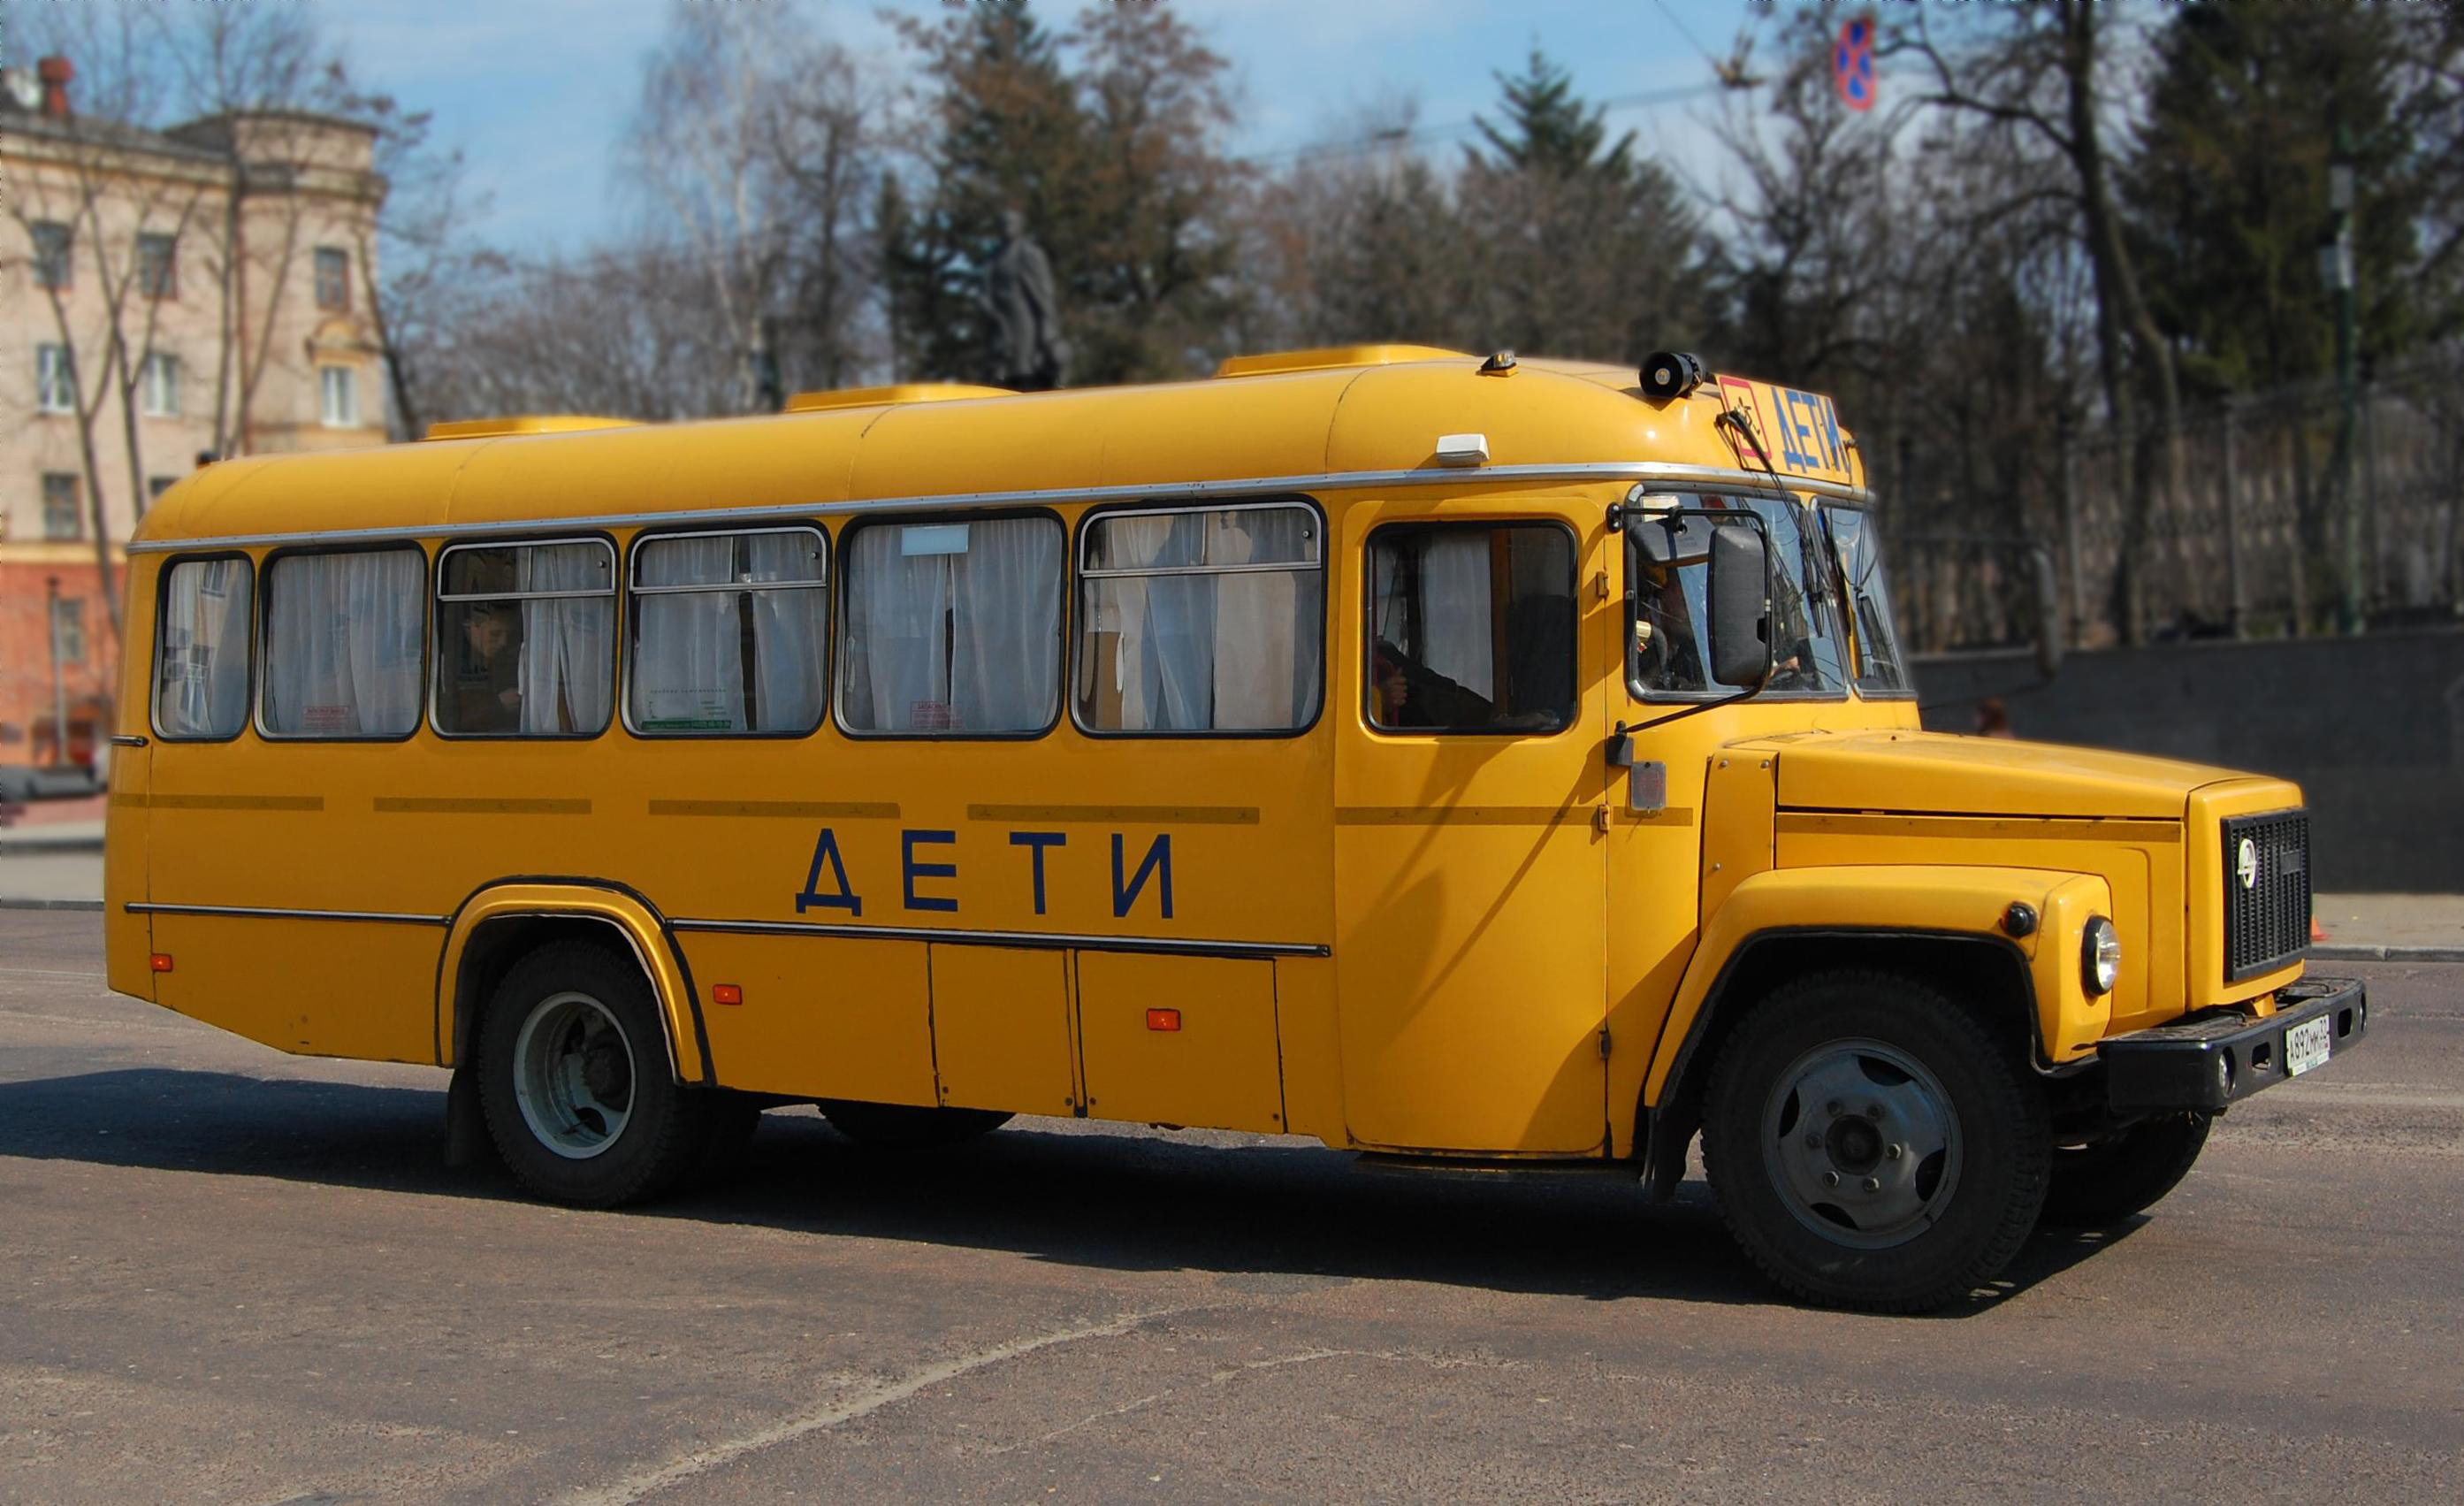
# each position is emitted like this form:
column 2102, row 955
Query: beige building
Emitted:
column 163, row 296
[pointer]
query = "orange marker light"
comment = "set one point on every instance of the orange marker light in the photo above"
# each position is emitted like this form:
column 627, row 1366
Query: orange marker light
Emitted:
column 161, row 962
column 726, row 993
column 1163, row 1019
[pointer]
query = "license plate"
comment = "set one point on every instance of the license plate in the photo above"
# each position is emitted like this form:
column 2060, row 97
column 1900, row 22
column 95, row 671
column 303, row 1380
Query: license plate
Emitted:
column 2306, row 1045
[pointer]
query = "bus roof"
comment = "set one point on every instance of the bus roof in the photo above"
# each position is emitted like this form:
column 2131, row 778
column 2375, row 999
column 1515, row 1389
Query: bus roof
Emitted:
column 1313, row 424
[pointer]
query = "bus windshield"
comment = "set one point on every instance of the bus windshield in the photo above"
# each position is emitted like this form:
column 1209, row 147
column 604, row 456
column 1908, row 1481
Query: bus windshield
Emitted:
column 1881, row 668
column 1666, row 656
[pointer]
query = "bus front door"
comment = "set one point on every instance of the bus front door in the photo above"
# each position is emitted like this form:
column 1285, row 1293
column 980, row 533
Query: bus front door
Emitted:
column 1469, row 873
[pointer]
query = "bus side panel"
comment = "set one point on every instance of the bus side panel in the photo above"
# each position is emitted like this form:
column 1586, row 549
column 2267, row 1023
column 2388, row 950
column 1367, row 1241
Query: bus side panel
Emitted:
column 1311, row 1044
column 353, row 989
column 822, row 1017
column 1181, row 1040
column 1000, row 1029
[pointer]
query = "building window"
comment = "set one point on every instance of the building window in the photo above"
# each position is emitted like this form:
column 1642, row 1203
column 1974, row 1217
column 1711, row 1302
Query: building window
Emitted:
column 1471, row 628
column 1200, row 620
column 54, row 380
column 339, row 389
column 158, row 267
column 201, row 662
column 728, row 632
column 157, row 485
column 342, row 643
column 53, row 265
column 63, row 516
column 157, row 384
column 68, row 629
column 332, row 279
column 526, row 640
column 953, row 628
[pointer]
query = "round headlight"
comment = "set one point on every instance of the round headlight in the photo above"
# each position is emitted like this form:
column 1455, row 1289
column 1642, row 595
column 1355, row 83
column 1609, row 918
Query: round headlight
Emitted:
column 2100, row 955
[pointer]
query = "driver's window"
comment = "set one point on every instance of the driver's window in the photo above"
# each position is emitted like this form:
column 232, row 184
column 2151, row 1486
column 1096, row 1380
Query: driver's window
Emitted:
column 1471, row 628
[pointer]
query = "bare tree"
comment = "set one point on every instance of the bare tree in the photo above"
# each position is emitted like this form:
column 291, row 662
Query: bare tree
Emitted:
column 751, row 148
column 2041, row 74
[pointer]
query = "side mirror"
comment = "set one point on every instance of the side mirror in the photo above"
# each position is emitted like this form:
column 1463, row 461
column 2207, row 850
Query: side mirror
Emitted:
column 2049, row 611
column 1740, row 605
column 1669, row 540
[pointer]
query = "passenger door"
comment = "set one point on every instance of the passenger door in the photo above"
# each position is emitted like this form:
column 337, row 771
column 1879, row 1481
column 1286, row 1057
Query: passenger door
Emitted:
column 1469, row 713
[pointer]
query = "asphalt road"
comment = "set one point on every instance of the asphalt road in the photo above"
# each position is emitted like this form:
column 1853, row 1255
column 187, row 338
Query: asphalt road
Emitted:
column 235, row 1275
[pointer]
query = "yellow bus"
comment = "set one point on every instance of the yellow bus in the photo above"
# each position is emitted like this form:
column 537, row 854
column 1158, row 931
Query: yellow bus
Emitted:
column 1461, row 761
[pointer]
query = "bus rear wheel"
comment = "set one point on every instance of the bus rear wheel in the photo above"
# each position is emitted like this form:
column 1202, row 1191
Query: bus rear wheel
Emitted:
column 1871, row 1145
column 901, row 1126
column 575, row 1083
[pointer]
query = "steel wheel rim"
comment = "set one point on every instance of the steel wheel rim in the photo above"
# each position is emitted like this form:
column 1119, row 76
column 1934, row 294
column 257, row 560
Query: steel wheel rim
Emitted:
column 573, row 1075
column 1861, row 1143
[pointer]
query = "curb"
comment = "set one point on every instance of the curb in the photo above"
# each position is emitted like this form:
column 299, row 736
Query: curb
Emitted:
column 25, row 849
column 2329, row 952
column 10, row 903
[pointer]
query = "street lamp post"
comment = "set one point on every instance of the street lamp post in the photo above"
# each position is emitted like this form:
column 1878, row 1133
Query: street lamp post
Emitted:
column 2336, row 267
column 59, row 691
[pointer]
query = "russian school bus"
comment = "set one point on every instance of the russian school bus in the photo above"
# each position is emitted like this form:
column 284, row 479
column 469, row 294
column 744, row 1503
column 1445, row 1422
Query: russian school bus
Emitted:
column 1459, row 760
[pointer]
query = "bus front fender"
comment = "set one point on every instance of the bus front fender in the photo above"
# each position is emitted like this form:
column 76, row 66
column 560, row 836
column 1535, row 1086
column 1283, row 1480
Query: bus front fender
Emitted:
column 1867, row 916
column 492, row 918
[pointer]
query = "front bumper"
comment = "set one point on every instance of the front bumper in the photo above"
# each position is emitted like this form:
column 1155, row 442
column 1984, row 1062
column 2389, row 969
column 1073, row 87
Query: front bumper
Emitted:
column 2211, row 1059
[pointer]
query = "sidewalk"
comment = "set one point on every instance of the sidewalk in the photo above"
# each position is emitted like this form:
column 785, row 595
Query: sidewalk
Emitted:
column 59, row 866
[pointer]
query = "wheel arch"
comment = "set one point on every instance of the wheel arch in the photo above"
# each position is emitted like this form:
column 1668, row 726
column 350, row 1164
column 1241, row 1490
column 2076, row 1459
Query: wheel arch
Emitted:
column 503, row 920
column 1965, row 964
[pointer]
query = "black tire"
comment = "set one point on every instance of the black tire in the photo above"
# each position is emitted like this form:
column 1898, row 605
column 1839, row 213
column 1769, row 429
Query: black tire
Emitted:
column 2128, row 1172
column 1852, row 1076
column 603, row 1121
column 900, row 1126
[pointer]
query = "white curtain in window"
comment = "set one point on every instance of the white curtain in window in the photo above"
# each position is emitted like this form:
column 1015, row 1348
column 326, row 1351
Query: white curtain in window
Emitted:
column 897, row 650
column 567, row 665
column 1005, row 630
column 1455, row 610
column 1267, row 679
column 687, row 662
column 201, row 676
column 342, row 644
column 789, row 631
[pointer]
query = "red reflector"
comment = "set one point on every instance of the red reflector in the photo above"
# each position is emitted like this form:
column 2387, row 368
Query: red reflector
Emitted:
column 161, row 962
column 726, row 993
column 1163, row 1019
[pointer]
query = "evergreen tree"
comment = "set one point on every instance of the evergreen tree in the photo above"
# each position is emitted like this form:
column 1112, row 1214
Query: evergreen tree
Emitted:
column 1005, row 132
column 1547, row 129
column 2227, row 188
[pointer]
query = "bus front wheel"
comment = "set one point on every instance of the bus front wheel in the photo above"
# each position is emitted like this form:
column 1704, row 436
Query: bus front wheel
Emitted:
column 1872, row 1145
column 574, row 1080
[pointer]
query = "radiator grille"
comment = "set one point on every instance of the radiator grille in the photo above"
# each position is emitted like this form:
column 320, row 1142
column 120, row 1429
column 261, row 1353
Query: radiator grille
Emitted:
column 2267, row 918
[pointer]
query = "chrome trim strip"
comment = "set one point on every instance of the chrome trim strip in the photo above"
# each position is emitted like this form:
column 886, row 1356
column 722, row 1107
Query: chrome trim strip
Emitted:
column 1588, row 470
column 268, row 913
column 1042, row 941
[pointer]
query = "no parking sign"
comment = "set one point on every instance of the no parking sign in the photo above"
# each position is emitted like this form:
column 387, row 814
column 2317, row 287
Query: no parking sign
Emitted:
column 1852, row 63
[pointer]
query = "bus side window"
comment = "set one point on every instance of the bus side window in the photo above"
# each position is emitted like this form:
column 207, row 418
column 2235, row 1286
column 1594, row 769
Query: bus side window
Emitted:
column 1200, row 619
column 342, row 643
column 728, row 631
column 201, row 652
column 1471, row 628
column 951, row 627
column 525, row 638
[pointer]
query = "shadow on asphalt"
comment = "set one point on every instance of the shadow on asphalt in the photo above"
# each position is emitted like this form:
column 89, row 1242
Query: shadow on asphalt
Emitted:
column 1273, row 1214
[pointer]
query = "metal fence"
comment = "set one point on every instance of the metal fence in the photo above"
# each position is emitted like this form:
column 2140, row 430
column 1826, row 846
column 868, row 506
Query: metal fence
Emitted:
column 2302, row 512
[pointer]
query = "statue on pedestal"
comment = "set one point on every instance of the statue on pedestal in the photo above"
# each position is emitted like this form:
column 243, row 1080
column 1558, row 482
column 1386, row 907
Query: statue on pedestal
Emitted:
column 1022, row 311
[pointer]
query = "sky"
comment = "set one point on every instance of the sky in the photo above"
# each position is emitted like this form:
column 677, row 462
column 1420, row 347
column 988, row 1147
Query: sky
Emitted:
column 537, row 93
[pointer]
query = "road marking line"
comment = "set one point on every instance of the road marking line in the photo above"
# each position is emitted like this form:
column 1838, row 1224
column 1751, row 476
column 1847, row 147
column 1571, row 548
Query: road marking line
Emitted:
column 700, row 1461
column 45, row 972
